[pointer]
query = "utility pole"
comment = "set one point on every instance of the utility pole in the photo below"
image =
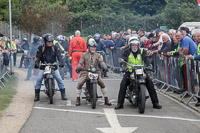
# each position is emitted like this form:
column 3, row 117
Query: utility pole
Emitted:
column 11, row 56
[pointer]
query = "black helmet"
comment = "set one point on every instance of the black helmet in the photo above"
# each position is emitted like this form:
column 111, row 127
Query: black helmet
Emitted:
column 48, row 38
column 90, row 36
column 36, row 39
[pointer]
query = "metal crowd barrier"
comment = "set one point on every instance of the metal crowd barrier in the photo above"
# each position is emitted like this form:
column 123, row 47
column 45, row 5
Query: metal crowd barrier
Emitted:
column 3, row 73
column 111, row 59
column 176, row 75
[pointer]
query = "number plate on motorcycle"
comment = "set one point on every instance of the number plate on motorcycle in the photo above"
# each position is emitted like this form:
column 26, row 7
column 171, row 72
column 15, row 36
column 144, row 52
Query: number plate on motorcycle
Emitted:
column 139, row 71
column 93, row 75
column 47, row 70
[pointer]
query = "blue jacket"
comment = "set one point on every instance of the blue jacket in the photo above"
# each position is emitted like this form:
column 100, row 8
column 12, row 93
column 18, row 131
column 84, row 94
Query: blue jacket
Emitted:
column 100, row 47
column 33, row 49
column 120, row 42
column 109, row 43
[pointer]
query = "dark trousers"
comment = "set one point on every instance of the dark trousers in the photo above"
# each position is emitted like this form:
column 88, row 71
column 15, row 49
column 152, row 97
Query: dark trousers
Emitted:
column 69, row 65
column 21, row 61
column 125, row 82
column 15, row 58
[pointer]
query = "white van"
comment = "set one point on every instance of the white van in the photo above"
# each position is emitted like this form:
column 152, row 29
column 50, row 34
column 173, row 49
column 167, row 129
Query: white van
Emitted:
column 191, row 25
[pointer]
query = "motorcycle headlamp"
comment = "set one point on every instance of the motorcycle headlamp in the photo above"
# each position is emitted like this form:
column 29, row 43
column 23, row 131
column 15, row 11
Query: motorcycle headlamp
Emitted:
column 93, row 69
column 132, row 76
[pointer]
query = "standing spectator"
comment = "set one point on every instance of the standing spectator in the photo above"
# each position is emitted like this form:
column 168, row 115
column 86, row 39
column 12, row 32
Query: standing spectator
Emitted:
column 196, row 57
column 14, row 50
column 109, row 42
column 32, row 53
column 160, row 34
column 76, row 47
column 145, row 42
column 175, row 49
column 166, row 47
column 187, row 47
column 185, row 31
column 119, row 41
column 129, row 32
column 195, row 36
column 171, row 34
column 141, row 33
column 100, row 46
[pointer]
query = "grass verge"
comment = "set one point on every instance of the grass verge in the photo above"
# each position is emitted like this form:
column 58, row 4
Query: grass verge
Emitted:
column 7, row 93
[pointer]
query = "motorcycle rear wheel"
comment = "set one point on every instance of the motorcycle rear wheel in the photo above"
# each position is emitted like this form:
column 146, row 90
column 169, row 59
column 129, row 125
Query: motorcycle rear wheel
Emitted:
column 50, row 90
column 142, row 99
column 93, row 96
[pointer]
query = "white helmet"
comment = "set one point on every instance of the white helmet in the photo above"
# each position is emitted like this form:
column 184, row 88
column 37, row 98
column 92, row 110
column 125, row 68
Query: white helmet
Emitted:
column 134, row 40
column 60, row 38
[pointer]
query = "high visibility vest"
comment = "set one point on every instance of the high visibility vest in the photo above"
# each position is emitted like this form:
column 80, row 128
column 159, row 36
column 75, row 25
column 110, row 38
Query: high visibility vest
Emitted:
column 135, row 61
column 176, row 50
column 62, row 48
column 198, row 49
column 13, row 45
column 54, row 42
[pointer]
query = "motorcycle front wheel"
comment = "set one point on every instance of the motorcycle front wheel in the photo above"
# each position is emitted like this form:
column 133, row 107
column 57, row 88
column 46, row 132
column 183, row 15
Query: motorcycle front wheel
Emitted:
column 93, row 96
column 50, row 90
column 142, row 99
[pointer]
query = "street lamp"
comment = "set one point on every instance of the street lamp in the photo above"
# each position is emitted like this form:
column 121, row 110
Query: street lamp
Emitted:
column 11, row 56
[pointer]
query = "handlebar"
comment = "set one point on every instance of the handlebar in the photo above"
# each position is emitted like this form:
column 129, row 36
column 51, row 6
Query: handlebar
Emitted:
column 88, row 70
column 48, row 64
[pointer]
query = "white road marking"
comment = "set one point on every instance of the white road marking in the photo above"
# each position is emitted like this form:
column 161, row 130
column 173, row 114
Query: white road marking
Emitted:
column 103, row 102
column 126, row 115
column 114, row 123
column 68, row 103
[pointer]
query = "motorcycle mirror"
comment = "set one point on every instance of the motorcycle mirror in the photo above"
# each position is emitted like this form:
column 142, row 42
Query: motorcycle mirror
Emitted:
column 120, row 60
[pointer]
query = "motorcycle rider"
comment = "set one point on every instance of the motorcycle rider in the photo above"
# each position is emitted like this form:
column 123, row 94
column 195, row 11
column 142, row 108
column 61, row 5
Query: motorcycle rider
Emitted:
column 135, row 55
column 25, row 46
column 47, row 53
column 91, row 58
column 32, row 53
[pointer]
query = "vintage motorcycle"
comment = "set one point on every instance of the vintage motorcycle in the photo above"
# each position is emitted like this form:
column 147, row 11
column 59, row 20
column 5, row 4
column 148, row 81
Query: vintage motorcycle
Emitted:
column 136, row 91
column 26, row 58
column 49, row 81
column 91, row 86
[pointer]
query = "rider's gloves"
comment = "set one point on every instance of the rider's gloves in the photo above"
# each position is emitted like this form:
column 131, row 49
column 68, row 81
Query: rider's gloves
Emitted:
column 105, row 68
column 61, row 64
column 78, row 69
column 124, row 69
column 36, row 64
column 150, row 66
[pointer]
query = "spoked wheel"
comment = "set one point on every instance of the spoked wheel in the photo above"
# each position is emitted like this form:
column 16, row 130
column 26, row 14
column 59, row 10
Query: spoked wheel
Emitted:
column 142, row 99
column 50, row 90
column 93, row 96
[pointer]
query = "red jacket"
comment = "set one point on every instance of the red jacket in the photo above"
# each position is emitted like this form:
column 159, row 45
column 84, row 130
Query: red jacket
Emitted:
column 77, row 44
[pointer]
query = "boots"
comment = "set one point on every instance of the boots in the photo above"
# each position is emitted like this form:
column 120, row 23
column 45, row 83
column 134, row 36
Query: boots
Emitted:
column 107, row 101
column 63, row 96
column 157, row 106
column 37, row 95
column 78, row 101
column 198, row 103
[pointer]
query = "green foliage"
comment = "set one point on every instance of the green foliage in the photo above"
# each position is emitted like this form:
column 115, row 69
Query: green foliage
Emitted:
column 102, row 16
column 7, row 93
